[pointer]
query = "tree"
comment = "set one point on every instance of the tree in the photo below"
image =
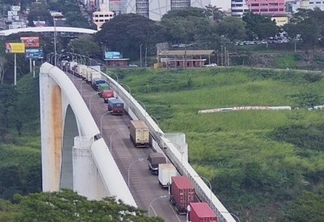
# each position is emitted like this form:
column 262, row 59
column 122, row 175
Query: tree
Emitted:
column 232, row 28
column 259, row 26
column 39, row 12
column 126, row 32
column 84, row 45
column 8, row 98
column 66, row 206
column 76, row 19
column 214, row 13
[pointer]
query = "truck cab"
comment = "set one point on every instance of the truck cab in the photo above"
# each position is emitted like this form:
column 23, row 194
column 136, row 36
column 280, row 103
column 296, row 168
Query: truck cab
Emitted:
column 154, row 159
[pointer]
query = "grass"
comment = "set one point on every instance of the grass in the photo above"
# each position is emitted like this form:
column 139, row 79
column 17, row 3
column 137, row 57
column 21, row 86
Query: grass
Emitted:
column 257, row 161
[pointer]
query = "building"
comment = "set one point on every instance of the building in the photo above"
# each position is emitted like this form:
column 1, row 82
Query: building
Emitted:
column 293, row 6
column 271, row 8
column 102, row 16
column 142, row 8
column 115, row 59
column 281, row 20
column 180, row 4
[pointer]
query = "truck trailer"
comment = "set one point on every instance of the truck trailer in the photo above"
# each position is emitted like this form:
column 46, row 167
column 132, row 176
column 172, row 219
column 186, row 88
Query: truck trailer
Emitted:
column 96, row 82
column 166, row 172
column 201, row 212
column 182, row 193
column 107, row 94
column 115, row 106
column 102, row 87
column 139, row 133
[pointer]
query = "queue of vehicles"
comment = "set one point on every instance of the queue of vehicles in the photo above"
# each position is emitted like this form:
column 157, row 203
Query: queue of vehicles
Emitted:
column 182, row 193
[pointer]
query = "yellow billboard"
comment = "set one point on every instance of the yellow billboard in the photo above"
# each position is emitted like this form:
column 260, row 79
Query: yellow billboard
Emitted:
column 15, row 47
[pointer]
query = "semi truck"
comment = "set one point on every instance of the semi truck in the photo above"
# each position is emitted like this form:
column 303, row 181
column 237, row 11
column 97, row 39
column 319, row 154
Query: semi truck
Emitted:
column 154, row 159
column 166, row 172
column 115, row 106
column 93, row 75
column 139, row 133
column 96, row 82
column 201, row 212
column 182, row 192
column 107, row 94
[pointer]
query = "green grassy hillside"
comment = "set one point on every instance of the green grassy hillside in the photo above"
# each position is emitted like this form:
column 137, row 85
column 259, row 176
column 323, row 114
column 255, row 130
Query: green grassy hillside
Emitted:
column 259, row 162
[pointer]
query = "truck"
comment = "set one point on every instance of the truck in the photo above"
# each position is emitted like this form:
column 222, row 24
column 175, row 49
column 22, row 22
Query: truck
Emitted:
column 107, row 94
column 166, row 172
column 182, row 192
column 102, row 87
column 93, row 75
column 96, row 82
column 139, row 133
column 115, row 106
column 201, row 212
column 154, row 159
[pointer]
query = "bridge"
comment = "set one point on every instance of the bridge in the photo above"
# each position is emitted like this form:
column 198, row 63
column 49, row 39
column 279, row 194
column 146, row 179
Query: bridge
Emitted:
column 49, row 29
column 75, row 154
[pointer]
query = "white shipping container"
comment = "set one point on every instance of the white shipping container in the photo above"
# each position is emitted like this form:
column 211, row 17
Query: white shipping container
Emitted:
column 166, row 172
column 94, row 75
column 139, row 133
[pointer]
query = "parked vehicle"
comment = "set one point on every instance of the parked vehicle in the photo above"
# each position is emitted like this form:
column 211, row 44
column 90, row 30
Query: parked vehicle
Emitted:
column 96, row 82
column 115, row 106
column 166, row 172
column 201, row 212
column 93, row 75
column 139, row 133
column 102, row 87
column 182, row 193
column 154, row 159
column 107, row 94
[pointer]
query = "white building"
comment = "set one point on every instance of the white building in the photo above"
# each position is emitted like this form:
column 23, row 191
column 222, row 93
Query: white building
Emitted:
column 102, row 16
column 305, row 4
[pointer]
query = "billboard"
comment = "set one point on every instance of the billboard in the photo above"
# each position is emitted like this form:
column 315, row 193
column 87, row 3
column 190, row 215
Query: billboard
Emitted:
column 34, row 53
column 30, row 42
column 15, row 48
column 113, row 55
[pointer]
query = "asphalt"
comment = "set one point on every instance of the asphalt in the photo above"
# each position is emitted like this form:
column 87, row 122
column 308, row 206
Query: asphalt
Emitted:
column 131, row 161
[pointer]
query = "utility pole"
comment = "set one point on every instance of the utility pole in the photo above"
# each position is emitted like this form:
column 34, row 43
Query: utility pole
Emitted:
column 54, row 41
column 141, row 55
column 145, row 56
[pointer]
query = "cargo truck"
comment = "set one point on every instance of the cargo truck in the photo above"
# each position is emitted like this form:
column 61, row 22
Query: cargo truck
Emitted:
column 182, row 192
column 107, row 94
column 200, row 212
column 96, row 82
column 93, row 75
column 115, row 106
column 139, row 133
column 102, row 87
column 166, row 172
column 154, row 159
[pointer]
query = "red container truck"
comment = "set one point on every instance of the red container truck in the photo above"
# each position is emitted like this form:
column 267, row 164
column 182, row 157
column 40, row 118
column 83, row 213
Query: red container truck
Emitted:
column 107, row 94
column 182, row 192
column 201, row 212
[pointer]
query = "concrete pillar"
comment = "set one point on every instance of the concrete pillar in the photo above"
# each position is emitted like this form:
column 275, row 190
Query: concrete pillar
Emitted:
column 86, row 179
column 52, row 132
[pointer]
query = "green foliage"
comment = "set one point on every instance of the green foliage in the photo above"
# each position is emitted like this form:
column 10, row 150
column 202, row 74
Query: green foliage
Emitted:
column 285, row 61
column 257, row 161
column 66, row 206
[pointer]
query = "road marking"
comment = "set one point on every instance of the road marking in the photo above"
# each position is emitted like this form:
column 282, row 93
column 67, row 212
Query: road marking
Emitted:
column 174, row 212
column 154, row 211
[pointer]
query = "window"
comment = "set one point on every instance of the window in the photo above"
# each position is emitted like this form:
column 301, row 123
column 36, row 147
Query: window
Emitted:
column 264, row 10
column 255, row 4
column 255, row 10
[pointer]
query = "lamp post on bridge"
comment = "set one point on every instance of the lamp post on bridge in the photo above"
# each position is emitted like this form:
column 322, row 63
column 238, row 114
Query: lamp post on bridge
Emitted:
column 210, row 187
column 101, row 120
column 128, row 171
column 110, row 138
column 236, row 217
column 150, row 205
column 90, row 100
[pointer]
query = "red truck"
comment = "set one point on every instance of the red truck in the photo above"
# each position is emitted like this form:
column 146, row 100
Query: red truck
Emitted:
column 106, row 94
column 182, row 193
column 201, row 212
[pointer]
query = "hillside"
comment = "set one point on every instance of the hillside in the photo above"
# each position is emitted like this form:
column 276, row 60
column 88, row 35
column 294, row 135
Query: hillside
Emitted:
column 259, row 162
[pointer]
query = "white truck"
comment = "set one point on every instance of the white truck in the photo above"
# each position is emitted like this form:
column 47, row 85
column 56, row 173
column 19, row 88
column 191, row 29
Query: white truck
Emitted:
column 166, row 172
column 139, row 133
column 93, row 75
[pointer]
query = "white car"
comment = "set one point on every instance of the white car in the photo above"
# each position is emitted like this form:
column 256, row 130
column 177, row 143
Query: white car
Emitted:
column 211, row 65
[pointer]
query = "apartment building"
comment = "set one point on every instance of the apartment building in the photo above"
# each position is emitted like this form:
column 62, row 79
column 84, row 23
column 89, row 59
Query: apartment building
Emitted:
column 271, row 8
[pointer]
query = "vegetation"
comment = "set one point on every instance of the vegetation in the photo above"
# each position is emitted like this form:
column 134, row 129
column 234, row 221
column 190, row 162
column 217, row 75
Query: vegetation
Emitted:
column 66, row 206
column 260, row 163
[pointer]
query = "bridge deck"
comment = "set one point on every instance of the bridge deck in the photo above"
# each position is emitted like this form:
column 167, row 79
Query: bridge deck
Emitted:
column 144, row 186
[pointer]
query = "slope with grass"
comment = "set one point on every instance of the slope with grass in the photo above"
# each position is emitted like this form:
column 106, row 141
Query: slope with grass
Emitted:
column 259, row 162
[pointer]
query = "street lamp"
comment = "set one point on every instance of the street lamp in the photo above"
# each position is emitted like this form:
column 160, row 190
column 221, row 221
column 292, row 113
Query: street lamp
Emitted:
column 81, row 86
column 146, row 114
column 210, row 187
column 101, row 120
column 141, row 55
column 236, row 217
column 128, row 171
column 110, row 138
column 149, row 207
column 90, row 100
column 109, row 72
column 123, row 84
column 54, row 42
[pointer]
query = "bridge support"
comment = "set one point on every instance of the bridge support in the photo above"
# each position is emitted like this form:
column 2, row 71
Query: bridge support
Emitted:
column 85, row 173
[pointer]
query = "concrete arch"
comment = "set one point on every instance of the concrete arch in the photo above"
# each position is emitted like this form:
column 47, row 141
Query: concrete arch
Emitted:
column 95, row 173
column 47, row 29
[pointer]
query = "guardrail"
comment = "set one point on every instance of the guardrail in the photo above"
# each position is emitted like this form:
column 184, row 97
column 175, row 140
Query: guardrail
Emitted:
column 171, row 151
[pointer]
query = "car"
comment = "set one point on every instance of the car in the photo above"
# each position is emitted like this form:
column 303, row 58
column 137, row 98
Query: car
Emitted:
column 132, row 65
column 211, row 65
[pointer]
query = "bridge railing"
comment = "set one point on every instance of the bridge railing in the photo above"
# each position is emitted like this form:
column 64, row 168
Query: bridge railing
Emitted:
column 203, row 191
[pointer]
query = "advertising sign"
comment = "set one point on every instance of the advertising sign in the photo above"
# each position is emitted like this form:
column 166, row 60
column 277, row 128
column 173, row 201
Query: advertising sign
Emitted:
column 15, row 8
column 113, row 55
column 34, row 53
column 12, row 13
column 15, row 48
column 30, row 42
column 39, row 23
